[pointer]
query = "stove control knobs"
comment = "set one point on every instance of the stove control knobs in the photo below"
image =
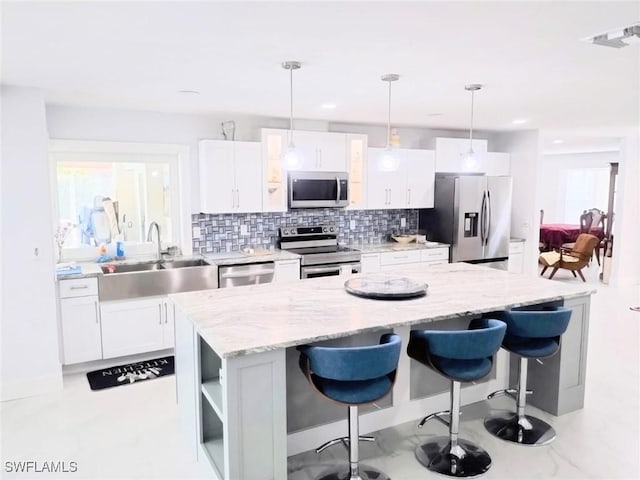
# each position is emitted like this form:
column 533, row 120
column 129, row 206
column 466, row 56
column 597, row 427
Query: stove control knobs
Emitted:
column 331, row 229
column 286, row 232
column 324, row 230
column 293, row 231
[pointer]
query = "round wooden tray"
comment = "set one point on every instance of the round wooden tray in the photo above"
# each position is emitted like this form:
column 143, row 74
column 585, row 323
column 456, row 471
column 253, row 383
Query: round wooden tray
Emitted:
column 385, row 287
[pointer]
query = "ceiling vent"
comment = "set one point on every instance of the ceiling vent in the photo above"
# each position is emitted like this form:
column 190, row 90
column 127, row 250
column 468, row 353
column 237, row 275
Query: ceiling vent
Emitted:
column 619, row 38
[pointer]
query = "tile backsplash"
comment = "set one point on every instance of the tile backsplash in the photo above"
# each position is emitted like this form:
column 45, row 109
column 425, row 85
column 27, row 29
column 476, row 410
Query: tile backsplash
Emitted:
column 221, row 232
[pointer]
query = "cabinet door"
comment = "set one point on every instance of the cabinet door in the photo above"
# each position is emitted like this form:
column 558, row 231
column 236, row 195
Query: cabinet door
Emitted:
column 379, row 183
column 131, row 326
column 397, row 185
column 357, row 168
column 274, row 185
column 308, row 147
column 370, row 262
column 451, row 155
column 332, row 152
column 248, row 177
column 217, row 177
column 516, row 262
column 420, row 168
column 80, row 329
column 287, row 271
column 168, row 320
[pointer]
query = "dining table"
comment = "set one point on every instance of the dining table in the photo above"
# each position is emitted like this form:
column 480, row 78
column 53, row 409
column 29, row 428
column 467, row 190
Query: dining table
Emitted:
column 553, row 235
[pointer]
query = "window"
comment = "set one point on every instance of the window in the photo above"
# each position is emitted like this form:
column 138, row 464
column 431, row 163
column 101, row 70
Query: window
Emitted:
column 133, row 183
column 586, row 188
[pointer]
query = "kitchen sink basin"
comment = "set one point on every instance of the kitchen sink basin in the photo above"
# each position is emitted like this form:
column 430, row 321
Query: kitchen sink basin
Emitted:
column 195, row 262
column 134, row 280
column 130, row 267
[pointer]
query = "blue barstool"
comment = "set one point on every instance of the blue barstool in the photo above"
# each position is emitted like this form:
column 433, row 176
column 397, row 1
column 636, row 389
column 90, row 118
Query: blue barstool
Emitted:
column 352, row 376
column 460, row 356
column 530, row 334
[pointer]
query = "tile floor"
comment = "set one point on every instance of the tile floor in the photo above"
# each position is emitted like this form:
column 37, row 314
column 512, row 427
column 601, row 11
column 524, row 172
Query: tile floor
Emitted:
column 133, row 432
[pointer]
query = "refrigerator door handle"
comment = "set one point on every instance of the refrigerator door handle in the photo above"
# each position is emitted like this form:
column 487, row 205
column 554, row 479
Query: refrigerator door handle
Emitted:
column 488, row 217
column 482, row 217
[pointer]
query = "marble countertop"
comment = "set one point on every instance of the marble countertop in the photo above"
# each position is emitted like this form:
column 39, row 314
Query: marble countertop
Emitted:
column 235, row 258
column 395, row 247
column 256, row 318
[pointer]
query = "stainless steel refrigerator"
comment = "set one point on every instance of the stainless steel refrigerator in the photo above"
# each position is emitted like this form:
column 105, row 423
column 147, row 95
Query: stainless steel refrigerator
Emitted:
column 472, row 213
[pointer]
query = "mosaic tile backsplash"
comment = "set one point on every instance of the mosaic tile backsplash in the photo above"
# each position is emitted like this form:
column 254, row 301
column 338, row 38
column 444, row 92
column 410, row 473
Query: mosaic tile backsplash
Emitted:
column 221, row 233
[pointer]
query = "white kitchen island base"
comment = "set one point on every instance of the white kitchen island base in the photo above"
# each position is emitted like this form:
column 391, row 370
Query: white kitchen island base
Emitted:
column 245, row 410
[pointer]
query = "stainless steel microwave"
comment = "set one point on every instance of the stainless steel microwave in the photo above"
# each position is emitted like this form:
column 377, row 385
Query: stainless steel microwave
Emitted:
column 318, row 189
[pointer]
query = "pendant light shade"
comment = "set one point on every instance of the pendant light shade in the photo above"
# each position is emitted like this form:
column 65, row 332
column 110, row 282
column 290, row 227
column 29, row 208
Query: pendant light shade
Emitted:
column 290, row 157
column 389, row 159
column 469, row 161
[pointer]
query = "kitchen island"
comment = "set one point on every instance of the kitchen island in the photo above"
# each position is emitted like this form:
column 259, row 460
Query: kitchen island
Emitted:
column 246, row 407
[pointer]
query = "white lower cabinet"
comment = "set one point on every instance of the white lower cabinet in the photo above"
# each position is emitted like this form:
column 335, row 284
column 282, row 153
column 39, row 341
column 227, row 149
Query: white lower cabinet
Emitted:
column 136, row 326
column 516, row 257
column 80, row 319
column 370, row 262
column 286, row 271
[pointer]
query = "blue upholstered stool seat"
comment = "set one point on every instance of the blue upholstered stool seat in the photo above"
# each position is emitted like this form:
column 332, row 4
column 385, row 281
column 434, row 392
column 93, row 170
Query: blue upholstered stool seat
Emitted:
column 530, row 334
column 461, row 356
column 352, row 376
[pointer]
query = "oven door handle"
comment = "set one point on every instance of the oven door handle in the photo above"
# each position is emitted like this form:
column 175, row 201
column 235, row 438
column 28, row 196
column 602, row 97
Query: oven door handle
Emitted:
column 321, row 269
column 338, row 195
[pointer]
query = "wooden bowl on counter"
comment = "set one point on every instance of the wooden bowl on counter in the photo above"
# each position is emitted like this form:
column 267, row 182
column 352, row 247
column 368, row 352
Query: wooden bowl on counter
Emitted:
column 404, row 238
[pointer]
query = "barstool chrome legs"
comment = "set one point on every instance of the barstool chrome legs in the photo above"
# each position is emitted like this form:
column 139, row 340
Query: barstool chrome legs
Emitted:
column 453, row 456
column 520, row 428
column 355, row 471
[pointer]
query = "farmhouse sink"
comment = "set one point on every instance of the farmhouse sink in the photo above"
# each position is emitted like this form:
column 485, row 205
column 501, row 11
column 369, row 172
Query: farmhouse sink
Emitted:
column 143, row 279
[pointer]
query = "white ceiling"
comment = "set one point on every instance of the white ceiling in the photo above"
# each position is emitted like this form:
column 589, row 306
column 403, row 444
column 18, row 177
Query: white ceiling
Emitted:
column 139, row 55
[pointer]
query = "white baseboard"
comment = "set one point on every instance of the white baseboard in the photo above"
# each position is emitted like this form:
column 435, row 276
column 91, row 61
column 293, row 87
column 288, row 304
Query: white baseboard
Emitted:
column 31, row 387
column 110, row 362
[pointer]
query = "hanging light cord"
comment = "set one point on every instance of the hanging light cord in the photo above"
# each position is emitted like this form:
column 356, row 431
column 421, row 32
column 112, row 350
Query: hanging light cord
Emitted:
column 471, row 123
column 389, row 119
column 290, row 106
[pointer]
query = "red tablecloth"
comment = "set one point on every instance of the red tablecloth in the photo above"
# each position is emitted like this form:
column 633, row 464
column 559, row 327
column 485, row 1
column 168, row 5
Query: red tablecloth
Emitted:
column 553, row 235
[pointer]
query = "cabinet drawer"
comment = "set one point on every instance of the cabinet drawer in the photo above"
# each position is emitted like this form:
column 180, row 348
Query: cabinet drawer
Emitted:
column 516, row 247
column 399, row 258
column 78, row 287
column 433, row 254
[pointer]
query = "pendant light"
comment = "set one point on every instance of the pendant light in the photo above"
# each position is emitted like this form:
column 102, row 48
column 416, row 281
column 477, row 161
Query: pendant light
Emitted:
column 389, row 159
column 291, row 158
column 470, row 161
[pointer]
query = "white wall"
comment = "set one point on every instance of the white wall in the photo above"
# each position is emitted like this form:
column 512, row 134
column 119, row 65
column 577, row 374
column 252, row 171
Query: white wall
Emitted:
column 524, row 147
column 30, row 360
column 553, row 179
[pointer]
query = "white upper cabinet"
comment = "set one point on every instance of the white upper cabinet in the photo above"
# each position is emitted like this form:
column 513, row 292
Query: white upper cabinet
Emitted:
column 230, row 176
column 321, row 151
column 274, row 179
column 420, row 169
column 451, row 155
column 411, row 186
column 357, row 168
column 498, row 164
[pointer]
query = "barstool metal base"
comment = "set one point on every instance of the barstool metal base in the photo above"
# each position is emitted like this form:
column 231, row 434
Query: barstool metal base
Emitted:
column 342, row 473
column 533, row 431
column 435, row 456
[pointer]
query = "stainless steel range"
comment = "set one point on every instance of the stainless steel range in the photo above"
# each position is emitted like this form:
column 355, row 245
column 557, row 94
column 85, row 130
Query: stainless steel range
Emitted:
column 321, row 256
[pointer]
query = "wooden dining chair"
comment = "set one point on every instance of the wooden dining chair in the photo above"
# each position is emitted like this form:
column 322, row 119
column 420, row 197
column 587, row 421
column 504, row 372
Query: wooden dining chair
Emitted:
column 574, row 259
column 586, row 220
column 598, row 218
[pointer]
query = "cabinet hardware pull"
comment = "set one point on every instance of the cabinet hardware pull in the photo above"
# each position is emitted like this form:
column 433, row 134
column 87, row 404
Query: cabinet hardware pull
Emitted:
column 233, row 199
column 238, row 198
column 160, row 312
column 165, row 314
column 95, row 304
column 79, row 287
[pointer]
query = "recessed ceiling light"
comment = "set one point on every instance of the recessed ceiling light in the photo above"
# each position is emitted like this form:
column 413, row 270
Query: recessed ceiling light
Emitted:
column 329, row 106
column 519, row 121
column 189, row 92
column 437, row 114
column 558, row 141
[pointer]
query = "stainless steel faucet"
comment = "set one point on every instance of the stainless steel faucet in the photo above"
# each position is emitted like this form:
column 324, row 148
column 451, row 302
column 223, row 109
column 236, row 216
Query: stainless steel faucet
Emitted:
column 150, row 237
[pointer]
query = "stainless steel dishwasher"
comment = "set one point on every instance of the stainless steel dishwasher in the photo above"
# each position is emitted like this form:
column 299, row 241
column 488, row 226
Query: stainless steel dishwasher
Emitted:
column 246, row 274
